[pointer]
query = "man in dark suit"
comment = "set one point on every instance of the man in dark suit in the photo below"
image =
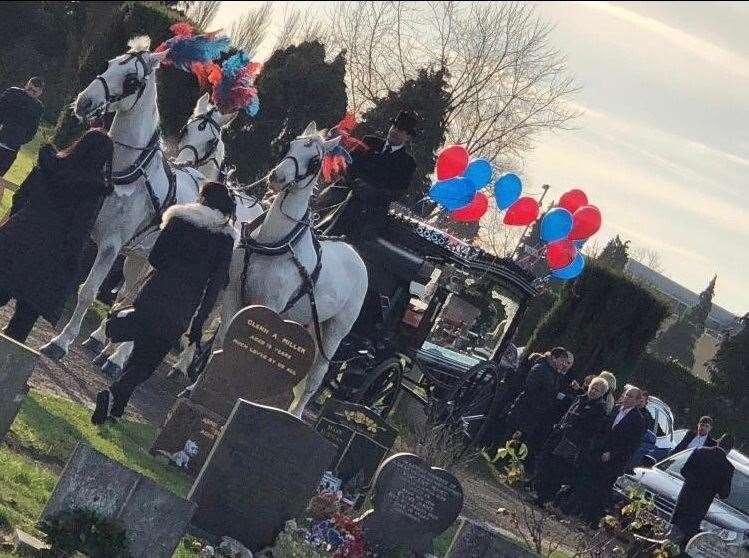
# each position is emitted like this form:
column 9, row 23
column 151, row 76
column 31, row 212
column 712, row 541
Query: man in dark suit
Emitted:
column 378, row 175
column 20, row 112
column 697, row 438
column 618, row 442
column 706, row 473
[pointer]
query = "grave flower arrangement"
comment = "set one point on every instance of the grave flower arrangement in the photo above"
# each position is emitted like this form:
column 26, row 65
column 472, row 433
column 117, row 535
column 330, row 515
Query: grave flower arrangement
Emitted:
column 327, row 532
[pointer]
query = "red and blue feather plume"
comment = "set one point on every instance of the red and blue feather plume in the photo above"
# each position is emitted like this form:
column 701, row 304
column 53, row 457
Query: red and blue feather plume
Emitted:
column 235, row 90
column 186, row 49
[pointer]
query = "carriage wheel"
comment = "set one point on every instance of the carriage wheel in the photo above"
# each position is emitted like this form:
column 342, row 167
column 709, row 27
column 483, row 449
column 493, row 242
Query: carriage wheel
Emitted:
column 380, row 391
column 471, row 397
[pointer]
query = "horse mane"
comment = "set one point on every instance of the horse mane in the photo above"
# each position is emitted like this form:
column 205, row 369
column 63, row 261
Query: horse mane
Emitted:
column 139, row 43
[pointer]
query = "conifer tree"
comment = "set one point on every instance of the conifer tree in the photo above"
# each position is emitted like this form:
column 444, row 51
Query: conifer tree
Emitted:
column 614, row 255
column 729, row 369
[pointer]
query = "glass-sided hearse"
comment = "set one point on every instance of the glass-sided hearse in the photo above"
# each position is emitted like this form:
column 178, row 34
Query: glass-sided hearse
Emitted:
column 438, row 317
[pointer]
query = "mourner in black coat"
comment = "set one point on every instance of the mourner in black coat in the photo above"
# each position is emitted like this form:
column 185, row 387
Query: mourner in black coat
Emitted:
column 43, row 240
column 620, row 439
column 697, row 438
column 20, row 112
column 706, row 473
column 191, row 260
column 572, row 440
column 376, row 178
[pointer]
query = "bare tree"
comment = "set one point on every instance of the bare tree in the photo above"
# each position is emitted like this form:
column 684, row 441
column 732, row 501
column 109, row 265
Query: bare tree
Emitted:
column 507, row 83
column 202, row 13
column 647, row 257
column 249, row 31
column 299, row 26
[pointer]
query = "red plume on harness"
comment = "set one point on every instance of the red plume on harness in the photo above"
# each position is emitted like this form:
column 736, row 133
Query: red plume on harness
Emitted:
column 334, row 164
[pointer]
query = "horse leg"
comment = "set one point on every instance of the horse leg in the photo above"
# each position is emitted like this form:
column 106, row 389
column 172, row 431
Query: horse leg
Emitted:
column 97, row 341
column 60, row 345
column 117, row 360
column 332, row 332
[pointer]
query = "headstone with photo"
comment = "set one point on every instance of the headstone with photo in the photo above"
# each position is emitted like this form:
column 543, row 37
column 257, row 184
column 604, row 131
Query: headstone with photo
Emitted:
column 711, row 545
column 413, row 504
column 262, row 471
column 262, row 359
column 17, row 362
column 363, row 439
column 154, row 519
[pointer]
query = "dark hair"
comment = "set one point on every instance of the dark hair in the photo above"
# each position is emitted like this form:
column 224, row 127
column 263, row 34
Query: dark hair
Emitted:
column 92, row 152
column 216, row 196
column 726, row 442
column 705, row 420
column 37, row 81
column 557, row 352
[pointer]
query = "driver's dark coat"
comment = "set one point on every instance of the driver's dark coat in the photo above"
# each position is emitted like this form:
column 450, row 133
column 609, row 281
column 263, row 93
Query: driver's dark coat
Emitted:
column 376, row 180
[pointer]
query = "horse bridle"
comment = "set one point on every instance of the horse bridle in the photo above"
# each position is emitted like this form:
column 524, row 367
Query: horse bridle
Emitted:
column 208, row 157
column 131, row 85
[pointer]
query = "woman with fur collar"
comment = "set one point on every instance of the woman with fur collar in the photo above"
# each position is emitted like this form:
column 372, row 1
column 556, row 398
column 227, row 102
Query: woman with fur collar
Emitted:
column 191, row 260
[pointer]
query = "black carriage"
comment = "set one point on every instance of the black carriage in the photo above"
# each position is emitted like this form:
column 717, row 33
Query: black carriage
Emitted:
column 437, row 323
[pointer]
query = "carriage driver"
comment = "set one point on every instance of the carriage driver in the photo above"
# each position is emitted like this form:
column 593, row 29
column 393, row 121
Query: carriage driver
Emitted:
column 376, row 178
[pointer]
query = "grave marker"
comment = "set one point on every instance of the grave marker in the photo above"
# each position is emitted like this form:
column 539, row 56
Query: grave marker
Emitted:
column 262, row 471
column 155, row 520
column 17, row 362
column 711, row 545
column 363, row 440
column 413, row 503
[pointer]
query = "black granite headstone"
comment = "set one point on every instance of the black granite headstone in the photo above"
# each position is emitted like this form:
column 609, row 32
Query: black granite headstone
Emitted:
column 413, row 504
column 262, row 471
column 363, row 439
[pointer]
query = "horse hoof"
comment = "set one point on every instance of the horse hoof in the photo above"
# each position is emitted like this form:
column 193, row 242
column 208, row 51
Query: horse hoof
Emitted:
column 53, row 351
column 99, row 359
column 93, row 345
column 111, row 369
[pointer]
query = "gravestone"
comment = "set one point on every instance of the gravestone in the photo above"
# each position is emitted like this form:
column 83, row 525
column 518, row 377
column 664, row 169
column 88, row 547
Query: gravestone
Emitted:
column 413, row 504
column 363, row 440
column 155, row 520
column 17, row 362
column 475, row 540
column 711, row 545
column 262, row 359
column 262, row 471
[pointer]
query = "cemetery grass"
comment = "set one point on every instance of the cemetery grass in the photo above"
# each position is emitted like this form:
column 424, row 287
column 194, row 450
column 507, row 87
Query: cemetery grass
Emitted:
column 22, row 167
column 42, row 438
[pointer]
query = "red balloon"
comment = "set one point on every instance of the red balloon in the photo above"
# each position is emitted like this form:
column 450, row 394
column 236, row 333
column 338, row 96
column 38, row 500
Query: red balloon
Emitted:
column 523, row 212
column 560, row 254
column 451, row 162
column 573, row 200
column 473, row 211
column 585, row 222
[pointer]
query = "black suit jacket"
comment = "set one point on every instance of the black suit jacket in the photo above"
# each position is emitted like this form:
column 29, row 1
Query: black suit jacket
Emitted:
column 709, row 442
column 381, row 174
column 706, row 473
column 622, row 440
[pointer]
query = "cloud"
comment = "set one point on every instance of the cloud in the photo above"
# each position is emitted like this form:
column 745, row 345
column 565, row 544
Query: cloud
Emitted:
column 710, row 52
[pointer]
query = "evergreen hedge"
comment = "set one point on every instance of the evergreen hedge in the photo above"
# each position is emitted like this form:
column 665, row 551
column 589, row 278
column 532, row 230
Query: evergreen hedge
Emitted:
column 178, row 91
column 605, row 319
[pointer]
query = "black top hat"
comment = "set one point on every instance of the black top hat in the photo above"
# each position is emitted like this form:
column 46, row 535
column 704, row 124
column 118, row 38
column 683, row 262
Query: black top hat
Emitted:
column 407, row 120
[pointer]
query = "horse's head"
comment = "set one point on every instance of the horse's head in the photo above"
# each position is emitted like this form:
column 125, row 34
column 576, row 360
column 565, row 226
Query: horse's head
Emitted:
column 121, row 85
column 200, row 139
column 303, row 161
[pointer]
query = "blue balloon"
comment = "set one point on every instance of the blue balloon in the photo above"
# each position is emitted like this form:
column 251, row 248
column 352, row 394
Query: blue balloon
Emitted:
column 479, row 172
column 556, row 224
column 572, row 270
column 507, row 190
column 453, row 193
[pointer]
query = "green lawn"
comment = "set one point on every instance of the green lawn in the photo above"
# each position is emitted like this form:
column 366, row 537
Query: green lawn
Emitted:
column 24, row 163
column 40, row 442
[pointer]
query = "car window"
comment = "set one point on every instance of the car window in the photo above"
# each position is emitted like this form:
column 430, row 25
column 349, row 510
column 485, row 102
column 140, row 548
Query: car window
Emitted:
column 674, row 464
column 739, row 497
column 663, row 425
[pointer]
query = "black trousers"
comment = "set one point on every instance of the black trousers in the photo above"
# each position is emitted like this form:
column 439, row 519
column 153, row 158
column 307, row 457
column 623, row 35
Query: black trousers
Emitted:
column 23, row 319
column 7, row 158
column 145, row 359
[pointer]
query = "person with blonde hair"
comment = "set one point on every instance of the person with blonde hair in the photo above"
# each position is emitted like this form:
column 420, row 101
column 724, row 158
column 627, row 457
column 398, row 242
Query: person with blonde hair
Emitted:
column 610, row 397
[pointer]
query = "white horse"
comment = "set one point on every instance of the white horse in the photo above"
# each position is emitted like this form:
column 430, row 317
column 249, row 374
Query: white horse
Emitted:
column 200, row 154
column 142, row 185
column 271, row 276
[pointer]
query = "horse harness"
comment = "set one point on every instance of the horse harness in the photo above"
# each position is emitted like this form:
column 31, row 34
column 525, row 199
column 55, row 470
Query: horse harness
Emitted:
column 209, row 155
column 286, row 246
column 131, row 85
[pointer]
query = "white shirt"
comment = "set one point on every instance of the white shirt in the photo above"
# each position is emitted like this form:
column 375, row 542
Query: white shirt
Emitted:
column 387, row 147
column 622, row 413
column 697, row 442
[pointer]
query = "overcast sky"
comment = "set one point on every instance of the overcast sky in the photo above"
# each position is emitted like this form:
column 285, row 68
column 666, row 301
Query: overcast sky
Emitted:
column 663, row 147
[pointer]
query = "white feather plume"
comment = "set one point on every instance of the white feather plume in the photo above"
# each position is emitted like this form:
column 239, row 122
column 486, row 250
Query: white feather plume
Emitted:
column 140, row 43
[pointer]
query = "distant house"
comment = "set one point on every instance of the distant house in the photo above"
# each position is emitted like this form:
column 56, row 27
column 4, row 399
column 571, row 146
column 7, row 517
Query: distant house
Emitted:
column 719, row 321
